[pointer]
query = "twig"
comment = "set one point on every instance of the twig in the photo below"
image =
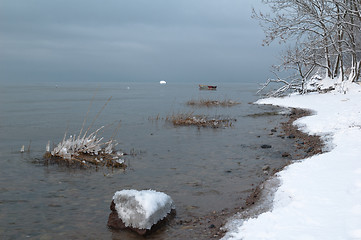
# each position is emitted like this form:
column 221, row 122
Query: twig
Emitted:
column 29, row 145
column 91, row 125
column 86, row 116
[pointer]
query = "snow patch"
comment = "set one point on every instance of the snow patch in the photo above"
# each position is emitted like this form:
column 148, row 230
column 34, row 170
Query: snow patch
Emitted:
column 355, row 234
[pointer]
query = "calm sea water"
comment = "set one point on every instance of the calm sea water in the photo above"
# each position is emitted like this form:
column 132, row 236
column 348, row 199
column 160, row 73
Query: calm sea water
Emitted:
column 203, row 170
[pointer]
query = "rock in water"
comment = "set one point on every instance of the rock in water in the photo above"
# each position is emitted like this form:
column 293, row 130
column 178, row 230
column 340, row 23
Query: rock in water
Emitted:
column 266, row 146
column 139, row 210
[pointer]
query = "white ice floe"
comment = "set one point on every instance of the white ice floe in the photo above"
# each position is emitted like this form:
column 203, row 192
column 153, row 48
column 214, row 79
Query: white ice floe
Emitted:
column 162, row 82
column 142, row 209
column 319, row 197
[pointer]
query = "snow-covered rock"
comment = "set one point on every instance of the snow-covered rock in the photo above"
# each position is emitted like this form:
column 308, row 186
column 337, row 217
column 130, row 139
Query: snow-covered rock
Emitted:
column 141, row 209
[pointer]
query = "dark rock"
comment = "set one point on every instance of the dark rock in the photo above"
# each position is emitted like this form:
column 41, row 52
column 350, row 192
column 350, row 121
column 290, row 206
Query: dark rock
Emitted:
column 115, row 222
column 310, row 149
column 112, row 206
column 212, row 226
column 266, row 146
column 285, row 154
column 273, row 130
column 291, row 136
column 266, row 168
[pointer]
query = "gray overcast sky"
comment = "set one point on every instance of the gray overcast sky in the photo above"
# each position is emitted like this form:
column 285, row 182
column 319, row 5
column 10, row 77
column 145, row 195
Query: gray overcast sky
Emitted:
column 132, row 40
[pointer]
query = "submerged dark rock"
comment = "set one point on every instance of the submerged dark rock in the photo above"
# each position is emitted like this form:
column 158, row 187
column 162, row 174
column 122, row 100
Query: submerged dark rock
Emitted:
column 266, row 168
column 286, row 154
column 266, row 146
column 310, row 149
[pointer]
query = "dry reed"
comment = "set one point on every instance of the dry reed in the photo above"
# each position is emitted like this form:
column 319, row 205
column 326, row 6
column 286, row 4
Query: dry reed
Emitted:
column 189, row 119
column 212, row 103
column 87, row 148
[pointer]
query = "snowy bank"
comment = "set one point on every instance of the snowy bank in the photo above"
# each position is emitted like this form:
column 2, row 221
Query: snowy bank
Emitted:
column 319, row 197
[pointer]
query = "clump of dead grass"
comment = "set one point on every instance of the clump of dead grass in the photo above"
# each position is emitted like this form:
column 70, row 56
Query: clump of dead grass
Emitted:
column 189, row 119
column 212, row 103
column 87, row 148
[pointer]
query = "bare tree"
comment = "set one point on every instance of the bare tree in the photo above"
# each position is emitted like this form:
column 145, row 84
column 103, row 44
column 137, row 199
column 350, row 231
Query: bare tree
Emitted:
column 325, row 35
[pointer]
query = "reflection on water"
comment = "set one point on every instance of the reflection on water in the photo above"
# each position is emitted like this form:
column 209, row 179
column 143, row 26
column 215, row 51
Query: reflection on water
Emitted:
column 203, row 170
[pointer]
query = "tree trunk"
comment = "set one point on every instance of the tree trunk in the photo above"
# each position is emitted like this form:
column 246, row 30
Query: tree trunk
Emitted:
column 358, row 71
column 328, row 62
column 354, row 69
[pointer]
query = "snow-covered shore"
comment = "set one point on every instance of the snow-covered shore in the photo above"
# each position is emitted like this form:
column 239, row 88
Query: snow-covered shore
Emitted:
column 319, row 197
